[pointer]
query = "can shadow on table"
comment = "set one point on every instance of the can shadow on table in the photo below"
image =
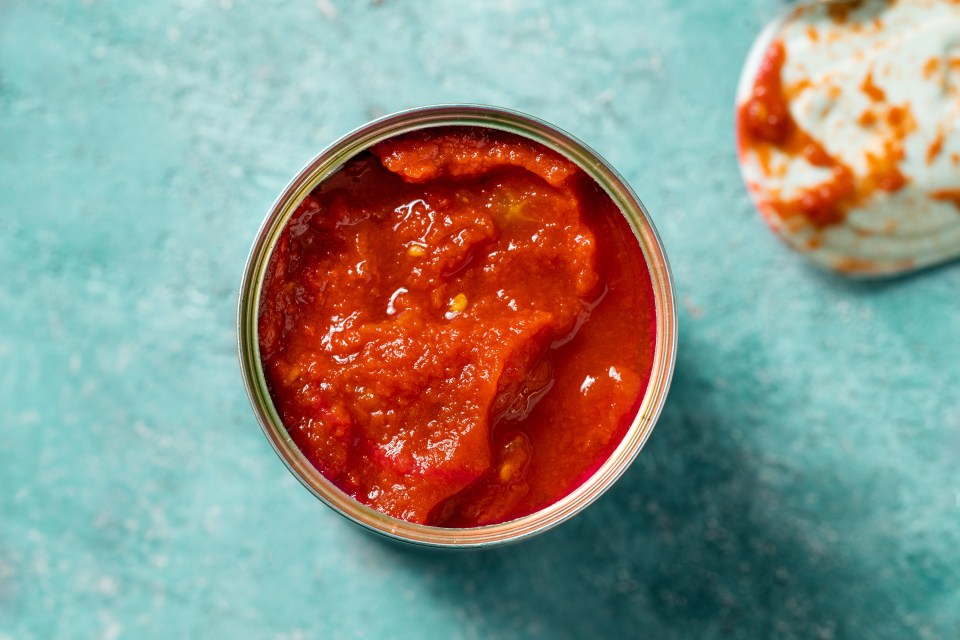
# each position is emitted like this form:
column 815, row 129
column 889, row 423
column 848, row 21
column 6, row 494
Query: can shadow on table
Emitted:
column 690, row 542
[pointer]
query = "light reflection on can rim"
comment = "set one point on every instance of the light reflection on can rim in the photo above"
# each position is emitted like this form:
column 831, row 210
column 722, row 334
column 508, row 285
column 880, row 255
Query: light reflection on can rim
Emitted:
column 329, row 161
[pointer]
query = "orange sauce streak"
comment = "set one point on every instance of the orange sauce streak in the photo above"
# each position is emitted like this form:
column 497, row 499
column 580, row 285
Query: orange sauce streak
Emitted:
column 884, row 173
column 947, row 195
column 765, row 125
column 935, row 147
column 823, row 205
column 857, row 265
column 765, row 116
column 797, row 88
column 901, row 119
column 872, row 90
column 840, row 11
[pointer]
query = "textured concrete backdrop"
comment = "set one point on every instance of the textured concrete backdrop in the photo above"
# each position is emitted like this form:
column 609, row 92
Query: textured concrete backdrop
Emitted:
column 802, row 482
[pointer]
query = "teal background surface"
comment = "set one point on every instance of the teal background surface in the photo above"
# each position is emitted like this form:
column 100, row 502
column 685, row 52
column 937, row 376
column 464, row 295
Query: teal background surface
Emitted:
column 802, row 483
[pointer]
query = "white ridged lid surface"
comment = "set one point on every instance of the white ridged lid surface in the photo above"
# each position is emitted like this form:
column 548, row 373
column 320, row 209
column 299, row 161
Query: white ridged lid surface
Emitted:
column 877, row 85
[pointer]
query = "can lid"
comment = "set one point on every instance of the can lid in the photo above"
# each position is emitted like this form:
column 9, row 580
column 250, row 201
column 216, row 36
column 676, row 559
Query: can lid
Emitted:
column 847, row 134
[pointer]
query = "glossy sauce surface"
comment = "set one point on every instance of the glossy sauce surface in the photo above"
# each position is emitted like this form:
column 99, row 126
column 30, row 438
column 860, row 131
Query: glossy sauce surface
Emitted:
column 457, row 327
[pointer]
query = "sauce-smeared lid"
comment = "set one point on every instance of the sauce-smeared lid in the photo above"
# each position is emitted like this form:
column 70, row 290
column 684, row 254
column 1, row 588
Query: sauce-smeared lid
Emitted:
column 847, row 131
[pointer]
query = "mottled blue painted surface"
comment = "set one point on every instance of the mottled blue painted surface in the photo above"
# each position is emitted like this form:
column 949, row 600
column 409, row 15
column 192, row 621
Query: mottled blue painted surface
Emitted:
column 803, row 481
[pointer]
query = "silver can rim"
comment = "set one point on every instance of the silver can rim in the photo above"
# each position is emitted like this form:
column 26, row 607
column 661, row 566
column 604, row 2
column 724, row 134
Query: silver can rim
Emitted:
column 329, row 161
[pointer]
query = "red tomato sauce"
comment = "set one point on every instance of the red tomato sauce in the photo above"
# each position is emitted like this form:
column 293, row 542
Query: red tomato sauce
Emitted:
column 457, row 327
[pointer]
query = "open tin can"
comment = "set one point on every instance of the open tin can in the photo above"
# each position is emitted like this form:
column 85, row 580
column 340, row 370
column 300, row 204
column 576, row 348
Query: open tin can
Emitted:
column 326, row 164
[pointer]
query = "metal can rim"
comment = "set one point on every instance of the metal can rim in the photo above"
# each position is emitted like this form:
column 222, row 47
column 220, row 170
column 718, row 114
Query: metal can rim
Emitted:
column 330, row 160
